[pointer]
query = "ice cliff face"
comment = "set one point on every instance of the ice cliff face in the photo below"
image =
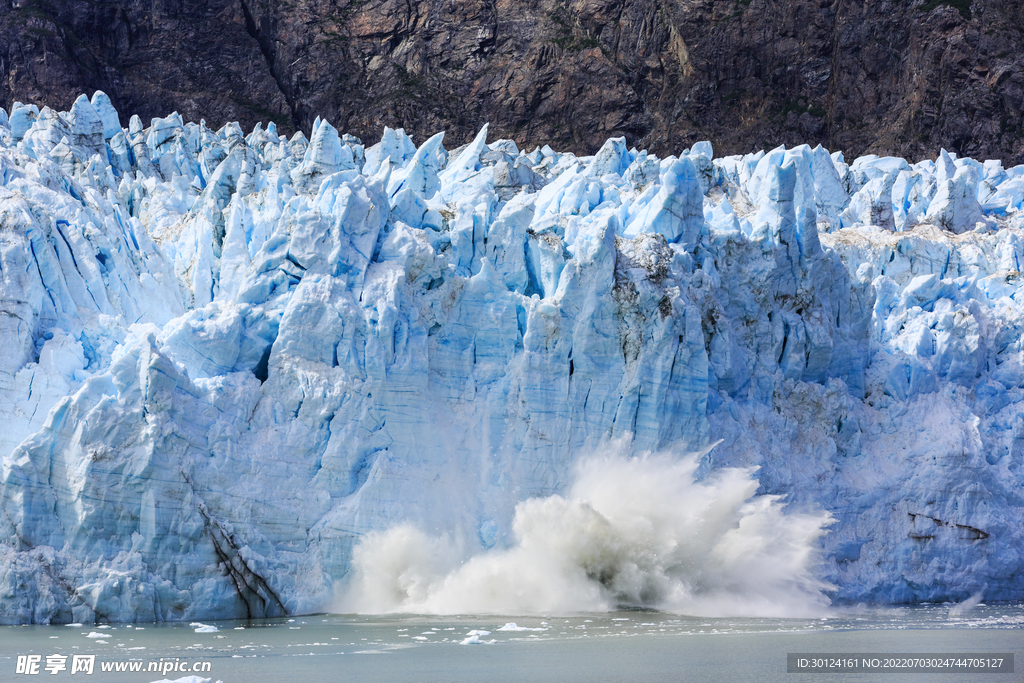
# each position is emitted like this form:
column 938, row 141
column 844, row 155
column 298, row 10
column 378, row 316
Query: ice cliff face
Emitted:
column 227, row 357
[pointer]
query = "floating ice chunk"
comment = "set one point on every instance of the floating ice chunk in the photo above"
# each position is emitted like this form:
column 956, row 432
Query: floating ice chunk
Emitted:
column 512, row 626
column 204, row 628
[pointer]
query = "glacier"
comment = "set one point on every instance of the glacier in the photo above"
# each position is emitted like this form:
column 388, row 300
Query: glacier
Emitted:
column 228, row 357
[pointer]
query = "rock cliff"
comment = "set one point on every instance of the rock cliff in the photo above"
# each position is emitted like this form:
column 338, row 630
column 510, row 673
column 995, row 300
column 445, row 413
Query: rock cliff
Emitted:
column 901, row 77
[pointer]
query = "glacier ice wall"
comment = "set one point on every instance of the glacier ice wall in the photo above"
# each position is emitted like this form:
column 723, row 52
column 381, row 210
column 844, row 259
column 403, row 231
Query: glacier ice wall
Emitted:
column 228, row 357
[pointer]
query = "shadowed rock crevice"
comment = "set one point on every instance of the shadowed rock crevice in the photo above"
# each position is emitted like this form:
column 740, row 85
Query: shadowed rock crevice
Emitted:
column 266, row 44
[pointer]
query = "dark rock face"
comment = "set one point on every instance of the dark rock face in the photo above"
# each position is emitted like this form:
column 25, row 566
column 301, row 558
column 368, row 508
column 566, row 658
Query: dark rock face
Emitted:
column 899, row 77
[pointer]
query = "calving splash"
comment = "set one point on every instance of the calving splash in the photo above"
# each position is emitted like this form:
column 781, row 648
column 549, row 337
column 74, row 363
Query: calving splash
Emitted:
column 636, row 532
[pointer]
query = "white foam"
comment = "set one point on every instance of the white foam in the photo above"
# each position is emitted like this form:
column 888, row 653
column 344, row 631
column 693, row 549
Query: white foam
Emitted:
column 637, row 531
column 966, row 606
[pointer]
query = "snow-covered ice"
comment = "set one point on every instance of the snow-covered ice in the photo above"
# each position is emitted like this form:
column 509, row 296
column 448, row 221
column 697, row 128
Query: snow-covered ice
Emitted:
column 227, row 358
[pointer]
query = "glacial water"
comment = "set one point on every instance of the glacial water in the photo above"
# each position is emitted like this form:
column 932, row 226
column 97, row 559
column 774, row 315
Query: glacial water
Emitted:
column 618, row 646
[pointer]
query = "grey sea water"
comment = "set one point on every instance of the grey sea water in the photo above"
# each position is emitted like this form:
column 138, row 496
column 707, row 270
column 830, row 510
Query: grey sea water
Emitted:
column 626, row 647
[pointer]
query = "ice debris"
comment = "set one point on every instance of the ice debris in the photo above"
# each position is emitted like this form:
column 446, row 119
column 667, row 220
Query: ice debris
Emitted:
column 512, row 626
column 227, row 356
column 475, row 640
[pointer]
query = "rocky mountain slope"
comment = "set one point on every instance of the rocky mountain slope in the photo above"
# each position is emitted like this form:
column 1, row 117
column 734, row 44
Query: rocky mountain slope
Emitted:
column 890, row 76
